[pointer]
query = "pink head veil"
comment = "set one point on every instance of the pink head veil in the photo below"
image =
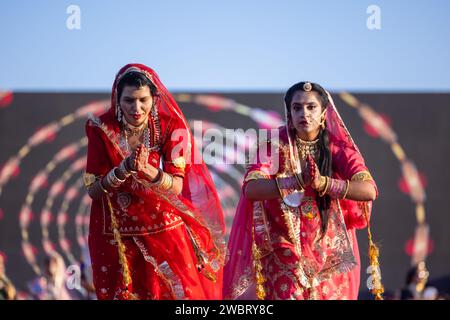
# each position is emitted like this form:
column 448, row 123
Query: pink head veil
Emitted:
column 239, row 272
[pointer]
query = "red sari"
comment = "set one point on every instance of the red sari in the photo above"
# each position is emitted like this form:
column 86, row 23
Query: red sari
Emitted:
column 172, row 245
column 295, row 261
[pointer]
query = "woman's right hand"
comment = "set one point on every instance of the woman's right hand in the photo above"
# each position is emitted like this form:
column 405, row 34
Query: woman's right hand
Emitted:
column 131, row 160
column 140, row 159
column 311, row 173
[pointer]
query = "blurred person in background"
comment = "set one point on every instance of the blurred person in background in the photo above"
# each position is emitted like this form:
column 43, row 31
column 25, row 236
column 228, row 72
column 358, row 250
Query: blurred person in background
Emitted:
column 52, row 284
column 7, row 289
column 416, row 285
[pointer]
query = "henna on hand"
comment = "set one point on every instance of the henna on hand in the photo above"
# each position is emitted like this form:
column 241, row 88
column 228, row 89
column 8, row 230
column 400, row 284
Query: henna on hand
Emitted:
column 312, row 167
column 311, row 173
column 129, row 162
column 144, row 169
column 141, row 159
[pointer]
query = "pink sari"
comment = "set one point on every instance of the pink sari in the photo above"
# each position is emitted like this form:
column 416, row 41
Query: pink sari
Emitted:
column 296, row 261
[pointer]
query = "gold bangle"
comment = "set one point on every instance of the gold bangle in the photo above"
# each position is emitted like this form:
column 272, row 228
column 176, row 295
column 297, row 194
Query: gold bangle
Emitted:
column 323, row 183
column 158, row 178
column 115, row 178
column 166, row 181
column 327, row 185
column 123, row 169
column 170, row 184
column 346, row 188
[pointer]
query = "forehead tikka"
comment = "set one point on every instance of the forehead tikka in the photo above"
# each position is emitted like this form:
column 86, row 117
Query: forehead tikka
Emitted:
column 307, row 86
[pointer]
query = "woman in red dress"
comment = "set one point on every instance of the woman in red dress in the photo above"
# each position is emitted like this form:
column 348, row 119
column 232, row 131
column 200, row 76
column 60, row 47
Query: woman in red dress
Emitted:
column 305, row 193
column 156, row 226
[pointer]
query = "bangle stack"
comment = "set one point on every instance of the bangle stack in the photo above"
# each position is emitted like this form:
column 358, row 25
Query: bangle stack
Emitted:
column 163, row 180
column 124, row 169
column 127, row 166
column 337, row 189
column 166, row 181
column 113, row 180
column 325, row 188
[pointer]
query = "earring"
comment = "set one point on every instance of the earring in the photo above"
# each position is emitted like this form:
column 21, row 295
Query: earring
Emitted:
column 322, row 123
column 119, row 114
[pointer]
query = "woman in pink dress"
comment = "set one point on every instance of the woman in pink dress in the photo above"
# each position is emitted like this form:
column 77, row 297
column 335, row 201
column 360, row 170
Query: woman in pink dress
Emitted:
column 305, row 193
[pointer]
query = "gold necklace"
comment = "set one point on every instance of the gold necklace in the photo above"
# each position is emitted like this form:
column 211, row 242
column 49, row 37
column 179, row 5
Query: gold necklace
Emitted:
column 146, row 138
column 129, row 129
column 308, row 148
column 133, row 130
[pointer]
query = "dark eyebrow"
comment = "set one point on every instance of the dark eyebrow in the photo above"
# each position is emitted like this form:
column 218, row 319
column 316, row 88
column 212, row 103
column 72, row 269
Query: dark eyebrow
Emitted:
column 307, row 103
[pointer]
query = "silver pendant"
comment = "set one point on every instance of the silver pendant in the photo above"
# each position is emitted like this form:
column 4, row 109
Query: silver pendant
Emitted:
column 294, row 199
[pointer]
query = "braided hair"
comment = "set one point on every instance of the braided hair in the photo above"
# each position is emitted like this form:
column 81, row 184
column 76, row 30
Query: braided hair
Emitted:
column 325, row 164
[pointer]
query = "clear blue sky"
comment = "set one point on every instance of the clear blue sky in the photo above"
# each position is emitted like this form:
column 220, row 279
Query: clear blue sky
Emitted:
column 227, row 45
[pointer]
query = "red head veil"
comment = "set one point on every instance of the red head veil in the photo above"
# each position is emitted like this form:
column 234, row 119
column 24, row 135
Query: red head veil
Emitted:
column 198, row 186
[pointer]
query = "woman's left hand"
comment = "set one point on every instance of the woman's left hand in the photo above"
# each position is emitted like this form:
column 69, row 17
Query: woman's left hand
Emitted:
column 142, row 166
column 141, row 158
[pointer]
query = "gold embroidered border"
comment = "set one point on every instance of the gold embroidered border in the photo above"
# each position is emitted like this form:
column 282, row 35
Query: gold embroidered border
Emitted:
column 256, row 174
column 88, row 179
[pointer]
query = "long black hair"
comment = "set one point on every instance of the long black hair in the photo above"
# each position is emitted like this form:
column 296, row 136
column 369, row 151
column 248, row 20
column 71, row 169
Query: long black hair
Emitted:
column 325, row 165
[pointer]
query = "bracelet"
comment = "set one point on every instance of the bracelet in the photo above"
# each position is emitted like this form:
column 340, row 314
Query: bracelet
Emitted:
column 113, row 180
column 170, row 178
column 127, row 166
column 158, row 177
column 123, row 169
column 337, row 188
column 327, row 185
column 346, row 189
column 163, row 180
column 322, row 183
column 166, row 181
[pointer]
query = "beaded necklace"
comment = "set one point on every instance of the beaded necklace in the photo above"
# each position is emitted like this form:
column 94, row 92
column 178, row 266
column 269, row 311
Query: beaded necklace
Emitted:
column 136, row 132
